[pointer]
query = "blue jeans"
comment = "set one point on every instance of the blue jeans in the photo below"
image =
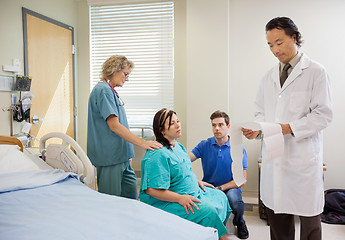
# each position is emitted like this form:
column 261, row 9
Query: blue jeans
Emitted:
column 234, row 196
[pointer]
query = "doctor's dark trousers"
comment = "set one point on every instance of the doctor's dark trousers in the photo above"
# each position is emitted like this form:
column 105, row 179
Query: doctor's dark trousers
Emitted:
column 282, row 226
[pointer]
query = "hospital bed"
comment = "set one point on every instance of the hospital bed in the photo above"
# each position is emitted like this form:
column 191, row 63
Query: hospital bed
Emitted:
column 42, row 201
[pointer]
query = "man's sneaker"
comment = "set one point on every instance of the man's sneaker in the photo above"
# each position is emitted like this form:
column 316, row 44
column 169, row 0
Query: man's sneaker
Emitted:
column 242, row 231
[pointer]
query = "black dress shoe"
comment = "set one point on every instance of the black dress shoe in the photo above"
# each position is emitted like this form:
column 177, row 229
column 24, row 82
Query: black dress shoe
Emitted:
column 242, row 231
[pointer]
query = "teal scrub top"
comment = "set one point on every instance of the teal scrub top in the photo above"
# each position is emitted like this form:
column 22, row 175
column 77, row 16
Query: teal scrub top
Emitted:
column 166, row 169
column 104, row 147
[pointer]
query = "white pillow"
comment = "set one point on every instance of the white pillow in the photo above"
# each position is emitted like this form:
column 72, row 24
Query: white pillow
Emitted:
column 13, row 160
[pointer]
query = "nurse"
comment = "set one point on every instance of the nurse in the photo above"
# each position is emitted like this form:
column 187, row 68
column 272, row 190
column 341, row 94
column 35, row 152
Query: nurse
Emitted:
column 168, row 183
column 296, row 93
column 109, row 141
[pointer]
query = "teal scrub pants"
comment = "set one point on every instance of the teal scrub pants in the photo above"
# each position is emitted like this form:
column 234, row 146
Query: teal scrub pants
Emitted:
column 119, row 180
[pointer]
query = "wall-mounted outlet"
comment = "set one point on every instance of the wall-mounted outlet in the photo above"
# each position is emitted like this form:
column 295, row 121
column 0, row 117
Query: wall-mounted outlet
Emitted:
column 16, row 67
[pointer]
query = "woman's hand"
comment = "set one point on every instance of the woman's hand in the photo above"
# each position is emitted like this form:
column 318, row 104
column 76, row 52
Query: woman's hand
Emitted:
column 202, row 185
column 150, row 145
column 115, row 126
column 187, row 202
column 250, row 134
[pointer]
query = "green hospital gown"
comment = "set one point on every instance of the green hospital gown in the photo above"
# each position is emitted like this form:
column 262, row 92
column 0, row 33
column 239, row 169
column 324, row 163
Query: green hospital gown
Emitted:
column 172, row 170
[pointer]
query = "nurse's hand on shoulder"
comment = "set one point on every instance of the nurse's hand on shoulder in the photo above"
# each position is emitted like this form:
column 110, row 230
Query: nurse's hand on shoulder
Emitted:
column 151, row 145
column 250, row 134
column 188, row 202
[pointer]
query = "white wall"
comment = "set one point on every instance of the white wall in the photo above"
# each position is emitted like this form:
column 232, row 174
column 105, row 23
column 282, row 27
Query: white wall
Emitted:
column 11, row 46
column 207, row 37
column 83, row 72
column 11, row 41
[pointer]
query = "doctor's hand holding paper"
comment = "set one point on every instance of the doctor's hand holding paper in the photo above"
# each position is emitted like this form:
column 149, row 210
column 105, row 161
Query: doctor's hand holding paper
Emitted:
column 296, row 93
column 250, row 134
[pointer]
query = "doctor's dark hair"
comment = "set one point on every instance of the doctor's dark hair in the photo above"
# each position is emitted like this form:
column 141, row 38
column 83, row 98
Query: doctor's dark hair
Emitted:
column 287, row 25
column 158, row 125
column 115, row 63
column 219, row 114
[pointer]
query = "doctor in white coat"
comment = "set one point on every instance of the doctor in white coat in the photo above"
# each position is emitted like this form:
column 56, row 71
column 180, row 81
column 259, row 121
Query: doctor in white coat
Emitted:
column 296, row 94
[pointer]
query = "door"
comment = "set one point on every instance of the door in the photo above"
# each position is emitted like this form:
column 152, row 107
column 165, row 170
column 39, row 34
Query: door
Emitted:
column 48, row 59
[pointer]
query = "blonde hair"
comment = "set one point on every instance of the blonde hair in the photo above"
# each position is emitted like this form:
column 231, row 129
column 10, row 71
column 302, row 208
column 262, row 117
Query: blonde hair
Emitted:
column 115, row 63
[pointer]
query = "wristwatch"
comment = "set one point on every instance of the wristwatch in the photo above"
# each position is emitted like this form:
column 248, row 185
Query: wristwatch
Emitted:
column 220, row 188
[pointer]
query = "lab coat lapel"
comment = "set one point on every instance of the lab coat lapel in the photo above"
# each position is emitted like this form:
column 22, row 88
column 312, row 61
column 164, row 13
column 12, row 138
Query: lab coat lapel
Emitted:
column 303, row 63
column 275, row 76
column 292, row 77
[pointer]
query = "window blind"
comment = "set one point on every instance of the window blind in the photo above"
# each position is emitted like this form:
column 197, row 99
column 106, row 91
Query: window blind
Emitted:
column 144, row 33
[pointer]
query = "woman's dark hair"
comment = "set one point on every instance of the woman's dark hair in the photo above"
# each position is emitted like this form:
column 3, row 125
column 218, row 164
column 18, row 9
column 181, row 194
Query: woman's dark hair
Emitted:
column 158, row 125
column 287, row 25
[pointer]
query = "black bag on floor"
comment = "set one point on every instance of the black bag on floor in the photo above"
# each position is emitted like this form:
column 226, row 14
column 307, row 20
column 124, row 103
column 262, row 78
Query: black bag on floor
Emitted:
column 334, row 209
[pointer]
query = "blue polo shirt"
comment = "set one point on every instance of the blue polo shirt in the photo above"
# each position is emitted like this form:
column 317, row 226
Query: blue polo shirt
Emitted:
column 216, row 161
column 104, row 147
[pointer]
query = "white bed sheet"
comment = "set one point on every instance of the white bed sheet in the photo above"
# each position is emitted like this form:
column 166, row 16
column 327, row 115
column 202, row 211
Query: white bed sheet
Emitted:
column 53, row 204
column 37, row 160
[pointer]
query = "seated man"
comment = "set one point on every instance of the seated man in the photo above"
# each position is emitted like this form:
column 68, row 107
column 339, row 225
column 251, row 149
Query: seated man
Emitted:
column 168, row 183
column 216, row 163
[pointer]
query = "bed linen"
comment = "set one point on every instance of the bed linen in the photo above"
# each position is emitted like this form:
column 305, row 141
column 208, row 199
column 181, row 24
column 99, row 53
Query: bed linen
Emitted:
column 52, row 204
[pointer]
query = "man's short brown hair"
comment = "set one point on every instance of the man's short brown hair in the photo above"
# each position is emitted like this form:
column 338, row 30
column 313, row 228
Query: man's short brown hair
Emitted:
column 219, row 114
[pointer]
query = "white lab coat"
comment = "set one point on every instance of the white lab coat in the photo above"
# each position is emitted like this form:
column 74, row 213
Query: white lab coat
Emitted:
column 293, row 184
